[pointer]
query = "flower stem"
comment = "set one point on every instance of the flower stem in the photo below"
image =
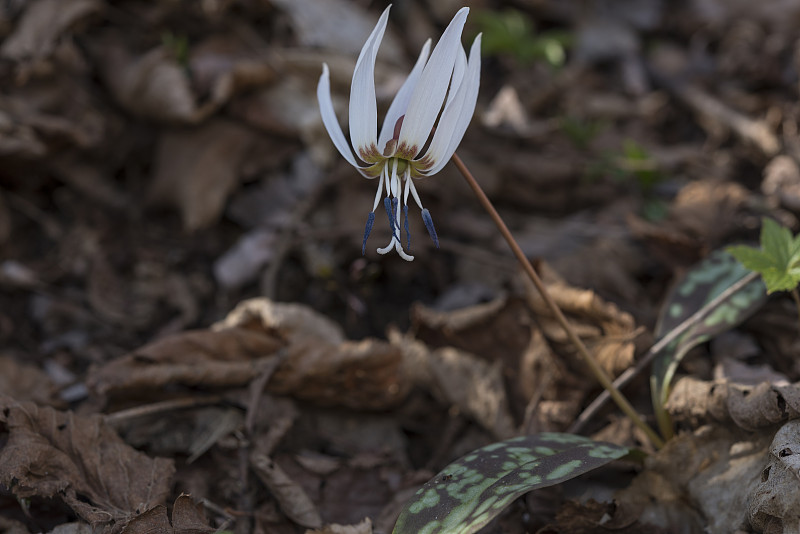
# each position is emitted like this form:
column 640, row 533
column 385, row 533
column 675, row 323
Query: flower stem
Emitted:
column 595, row 368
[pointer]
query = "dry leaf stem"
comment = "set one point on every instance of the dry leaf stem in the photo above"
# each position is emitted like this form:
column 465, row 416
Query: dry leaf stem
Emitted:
column 595, row 368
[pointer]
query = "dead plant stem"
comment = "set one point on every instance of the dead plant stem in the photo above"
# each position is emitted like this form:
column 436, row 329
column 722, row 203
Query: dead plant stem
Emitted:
column 796, row 297
column 595, row 368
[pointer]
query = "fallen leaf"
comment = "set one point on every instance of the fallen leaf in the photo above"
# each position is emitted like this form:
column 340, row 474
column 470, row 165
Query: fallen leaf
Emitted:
column 225, row 358
column 459, row 379
column 80, row 460
column 187, row 518
column 695, row 402
column 719, row 469
column 293, row 500
column 773, row 505
column 607, row 331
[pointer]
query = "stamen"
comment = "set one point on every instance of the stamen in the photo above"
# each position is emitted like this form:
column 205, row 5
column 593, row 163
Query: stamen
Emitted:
column 388, row 204
column 408, row 233
column 367, row 230
column 426, row 218
column 380, row 190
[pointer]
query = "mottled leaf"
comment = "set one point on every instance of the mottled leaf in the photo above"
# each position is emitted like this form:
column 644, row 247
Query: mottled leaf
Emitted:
column 702, row 284
column 470, row 492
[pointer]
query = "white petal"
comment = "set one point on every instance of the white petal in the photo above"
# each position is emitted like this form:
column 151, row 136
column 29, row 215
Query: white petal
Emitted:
column 329, row 116
column 363, row 109
column 458, row 75
column 401, row 99
column 428, row 96
column 457, row 116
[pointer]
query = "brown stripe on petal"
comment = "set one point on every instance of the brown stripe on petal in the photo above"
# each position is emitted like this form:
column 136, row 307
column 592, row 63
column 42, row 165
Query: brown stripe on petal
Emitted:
column 369, row 154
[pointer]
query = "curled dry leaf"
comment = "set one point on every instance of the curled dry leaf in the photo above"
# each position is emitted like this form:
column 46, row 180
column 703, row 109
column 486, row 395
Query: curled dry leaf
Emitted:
column 187, row 518
column 751, row 408
column 774, row 503
column 607, row 331
column 225, row 358
column 80, row 460
column 318, row 366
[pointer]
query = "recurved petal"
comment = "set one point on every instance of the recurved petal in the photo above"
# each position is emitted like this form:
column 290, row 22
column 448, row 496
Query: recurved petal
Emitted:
column 363, row 108
column 458, row 114
column 329, row 116
column 401, row 99
column 428, row 96
column 458, row 75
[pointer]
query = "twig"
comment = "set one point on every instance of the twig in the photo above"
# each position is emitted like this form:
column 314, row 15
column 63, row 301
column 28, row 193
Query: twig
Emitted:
column 796, row 297
column 598, row 371
column 623, row 379
column 160, row 407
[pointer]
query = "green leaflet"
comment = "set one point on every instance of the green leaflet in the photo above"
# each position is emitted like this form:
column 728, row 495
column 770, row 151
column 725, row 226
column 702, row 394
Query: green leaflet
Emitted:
column 778, row 260
column 470, row 492
column 700, row 286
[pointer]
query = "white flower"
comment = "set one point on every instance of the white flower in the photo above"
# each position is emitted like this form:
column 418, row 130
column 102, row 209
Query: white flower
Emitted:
column 446, row 79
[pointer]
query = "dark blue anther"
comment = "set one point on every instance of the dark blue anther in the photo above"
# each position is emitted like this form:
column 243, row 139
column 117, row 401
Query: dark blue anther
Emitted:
column 367, row 230
column 408, row 233
column 426, row 218
column 387, row 203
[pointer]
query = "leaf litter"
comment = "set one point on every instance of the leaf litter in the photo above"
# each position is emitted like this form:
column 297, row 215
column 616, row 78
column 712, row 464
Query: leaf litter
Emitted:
column 164, row 169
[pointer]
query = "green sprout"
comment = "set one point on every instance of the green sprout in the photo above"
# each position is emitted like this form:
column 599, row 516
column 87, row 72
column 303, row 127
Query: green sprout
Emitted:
column 777, row 261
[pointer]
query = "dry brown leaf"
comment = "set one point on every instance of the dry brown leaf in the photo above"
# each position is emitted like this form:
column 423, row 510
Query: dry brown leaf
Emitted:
column 187, row 518
column 719, row 469
column 364, row 375
column 459, row 379
column 293, row 500
column 360, row 375
column 696, row 401
column 42, row 26
column 225, row 358
column 25, row 382
column 292, row 322
column 80, row 460
column 607, row 331
column 196, row 169
column 774, row 503
column 364, row 527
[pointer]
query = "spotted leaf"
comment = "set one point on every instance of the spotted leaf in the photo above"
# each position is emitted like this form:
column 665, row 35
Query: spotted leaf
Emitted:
column 701, row 285
column 470, row 492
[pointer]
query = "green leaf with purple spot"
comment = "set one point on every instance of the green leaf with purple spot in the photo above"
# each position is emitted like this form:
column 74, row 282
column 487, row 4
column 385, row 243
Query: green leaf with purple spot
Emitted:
column 701, row 284
column 470, row 492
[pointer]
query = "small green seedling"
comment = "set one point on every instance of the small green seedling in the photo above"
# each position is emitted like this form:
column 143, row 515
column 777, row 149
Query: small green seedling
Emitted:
column 473, row 490
column 777, row 261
